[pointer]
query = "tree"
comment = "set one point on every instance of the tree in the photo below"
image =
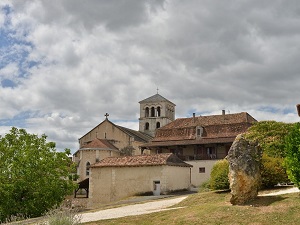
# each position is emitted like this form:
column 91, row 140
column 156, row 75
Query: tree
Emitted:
column 127, row 151
column 270, row 135
column 33, row 176
column 292, row 149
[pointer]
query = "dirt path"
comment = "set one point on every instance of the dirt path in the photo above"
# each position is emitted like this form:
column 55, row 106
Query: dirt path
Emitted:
column 132, row 210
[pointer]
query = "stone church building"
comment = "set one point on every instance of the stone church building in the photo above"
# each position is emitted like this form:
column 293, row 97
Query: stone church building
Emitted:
column 109, row 139
column 196, row 142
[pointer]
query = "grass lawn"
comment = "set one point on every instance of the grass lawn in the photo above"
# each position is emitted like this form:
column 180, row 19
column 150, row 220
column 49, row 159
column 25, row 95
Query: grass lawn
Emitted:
column 214, row 208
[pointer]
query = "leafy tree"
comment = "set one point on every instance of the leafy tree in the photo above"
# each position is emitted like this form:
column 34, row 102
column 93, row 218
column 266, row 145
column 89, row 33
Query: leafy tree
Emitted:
column 292, row 160
column 219, row 175
column 127, row 151
column 33, row 176
column 270, row 135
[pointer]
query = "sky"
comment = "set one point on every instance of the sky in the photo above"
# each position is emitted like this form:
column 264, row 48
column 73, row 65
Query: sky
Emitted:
column 65, row 63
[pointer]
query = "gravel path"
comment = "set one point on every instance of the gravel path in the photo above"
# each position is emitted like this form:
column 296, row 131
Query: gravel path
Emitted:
column 132, row 210
column 286, row 191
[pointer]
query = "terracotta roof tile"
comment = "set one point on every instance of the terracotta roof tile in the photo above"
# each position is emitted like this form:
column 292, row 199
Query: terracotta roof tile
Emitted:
column 142, row 160
column 99, row 144
column 215, row 126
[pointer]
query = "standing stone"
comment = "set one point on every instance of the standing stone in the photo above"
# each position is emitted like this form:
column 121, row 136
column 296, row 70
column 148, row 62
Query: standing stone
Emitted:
column 244, row 170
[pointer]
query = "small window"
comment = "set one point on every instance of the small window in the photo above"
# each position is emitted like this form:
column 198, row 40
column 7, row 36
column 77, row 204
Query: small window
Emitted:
column 201, row 169
column 158, row 125
column 199, row 131
column 88, row 165
column 147, row 126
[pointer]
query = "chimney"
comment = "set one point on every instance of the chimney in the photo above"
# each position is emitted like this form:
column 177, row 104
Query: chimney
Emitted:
column 223, row 112
column 194, row 119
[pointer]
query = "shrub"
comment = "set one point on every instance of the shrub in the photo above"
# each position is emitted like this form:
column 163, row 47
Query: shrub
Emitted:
column 272, row 171
column 219, row 175
column 62, row 216
column 205, row 186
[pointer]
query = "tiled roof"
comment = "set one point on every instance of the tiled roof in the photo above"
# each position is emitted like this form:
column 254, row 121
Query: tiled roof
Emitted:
column 99, row 144
column 155, row 98
column 142, row 160
column 215, row 126
column 210, row 120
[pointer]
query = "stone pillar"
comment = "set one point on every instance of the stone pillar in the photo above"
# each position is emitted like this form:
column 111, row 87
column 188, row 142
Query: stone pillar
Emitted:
column 244, row 170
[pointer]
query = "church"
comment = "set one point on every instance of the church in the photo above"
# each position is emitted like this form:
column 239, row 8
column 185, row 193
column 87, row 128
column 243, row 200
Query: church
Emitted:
column 108, row 139
column 184, row 150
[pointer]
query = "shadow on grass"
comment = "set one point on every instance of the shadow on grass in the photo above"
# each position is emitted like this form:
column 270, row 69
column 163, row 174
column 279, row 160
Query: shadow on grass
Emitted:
column 265, row 200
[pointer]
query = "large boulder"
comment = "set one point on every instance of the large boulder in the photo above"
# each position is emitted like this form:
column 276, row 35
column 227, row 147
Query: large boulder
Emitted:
column 244, row 170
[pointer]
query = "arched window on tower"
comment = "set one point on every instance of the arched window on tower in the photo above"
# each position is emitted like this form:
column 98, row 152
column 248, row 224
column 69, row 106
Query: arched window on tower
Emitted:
column 147, row 112
column 88, row 165
column 146, row 126
column 158, row 125
column 158, row 111
column 152, row 112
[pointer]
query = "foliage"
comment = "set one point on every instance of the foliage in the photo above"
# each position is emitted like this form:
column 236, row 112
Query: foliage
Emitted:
column 62, row 216
column 127, row 151
column 219, row 175
column 272, row 171
column 33, row 176
column 292, row 160
column 204, row 187
column 270, row 135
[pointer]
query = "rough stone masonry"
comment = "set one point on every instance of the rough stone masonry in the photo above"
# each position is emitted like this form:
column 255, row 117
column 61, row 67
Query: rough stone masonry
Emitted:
column 244, row 170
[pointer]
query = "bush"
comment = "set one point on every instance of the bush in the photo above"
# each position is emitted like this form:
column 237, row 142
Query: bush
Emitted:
column 205, row 186
column 272, row 171
column 62, row 216
column 219, row 175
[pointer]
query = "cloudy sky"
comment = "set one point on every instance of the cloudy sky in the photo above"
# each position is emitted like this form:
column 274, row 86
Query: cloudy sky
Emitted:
column 65, row 63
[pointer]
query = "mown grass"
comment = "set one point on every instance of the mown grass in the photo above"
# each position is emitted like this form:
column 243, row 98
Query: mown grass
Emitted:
column 214, row 208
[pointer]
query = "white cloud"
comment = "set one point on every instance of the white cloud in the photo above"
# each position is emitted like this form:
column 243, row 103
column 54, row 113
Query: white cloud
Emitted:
column 83, row 59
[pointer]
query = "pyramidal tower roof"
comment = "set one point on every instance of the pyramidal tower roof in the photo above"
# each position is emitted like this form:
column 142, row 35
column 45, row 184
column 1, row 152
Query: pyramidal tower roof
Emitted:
column 155, row 98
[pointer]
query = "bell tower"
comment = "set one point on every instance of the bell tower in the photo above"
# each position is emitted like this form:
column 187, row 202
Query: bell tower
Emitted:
column 155, row 112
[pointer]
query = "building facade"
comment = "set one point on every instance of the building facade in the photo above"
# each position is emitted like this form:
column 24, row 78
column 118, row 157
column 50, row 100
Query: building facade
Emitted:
column 116, row 178
column 200, row 141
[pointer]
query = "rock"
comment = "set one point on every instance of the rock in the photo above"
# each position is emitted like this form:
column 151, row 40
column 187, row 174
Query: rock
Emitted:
column 244, row 160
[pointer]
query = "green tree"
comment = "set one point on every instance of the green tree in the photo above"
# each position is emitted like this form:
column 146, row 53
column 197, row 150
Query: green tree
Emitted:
column 33, row 176
column 270, row 135
column 219, row 175
column 292, row 149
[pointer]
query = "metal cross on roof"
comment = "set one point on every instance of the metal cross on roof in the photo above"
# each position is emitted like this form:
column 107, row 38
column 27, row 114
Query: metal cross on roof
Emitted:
column 106, row 115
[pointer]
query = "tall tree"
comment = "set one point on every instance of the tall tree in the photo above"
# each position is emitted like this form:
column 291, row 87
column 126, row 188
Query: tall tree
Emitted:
column 33, row 175
column 292, row 160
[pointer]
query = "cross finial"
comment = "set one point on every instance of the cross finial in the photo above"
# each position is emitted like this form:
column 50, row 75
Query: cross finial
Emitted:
column 106, row 115
column 157, row 90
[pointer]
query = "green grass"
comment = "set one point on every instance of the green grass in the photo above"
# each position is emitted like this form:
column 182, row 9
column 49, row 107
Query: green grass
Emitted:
column 214, row 208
